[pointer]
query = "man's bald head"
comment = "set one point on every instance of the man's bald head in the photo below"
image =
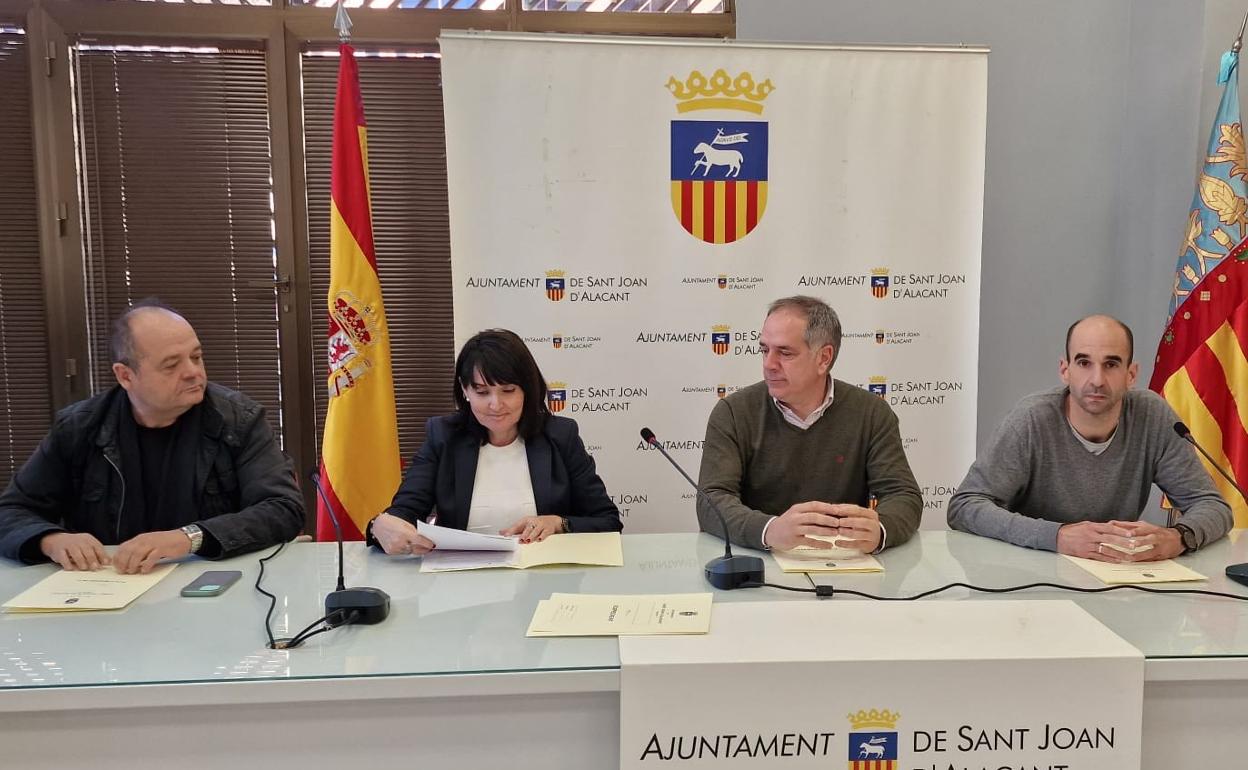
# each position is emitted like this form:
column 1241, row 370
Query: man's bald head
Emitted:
column 1103, row 324
column 122, row 343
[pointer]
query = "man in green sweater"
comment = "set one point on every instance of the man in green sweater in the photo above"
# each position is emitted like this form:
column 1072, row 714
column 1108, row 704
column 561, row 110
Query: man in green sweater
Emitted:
column 1070, row 469
column 801, row 453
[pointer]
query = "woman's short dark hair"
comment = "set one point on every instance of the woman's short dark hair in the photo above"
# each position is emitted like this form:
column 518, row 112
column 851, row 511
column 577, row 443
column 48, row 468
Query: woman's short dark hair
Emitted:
column 503, row 359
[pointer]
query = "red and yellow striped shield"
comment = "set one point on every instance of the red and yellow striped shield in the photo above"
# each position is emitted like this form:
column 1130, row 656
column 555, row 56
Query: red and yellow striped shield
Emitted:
column 720, row 211
column 719, row 177
column 556, row 397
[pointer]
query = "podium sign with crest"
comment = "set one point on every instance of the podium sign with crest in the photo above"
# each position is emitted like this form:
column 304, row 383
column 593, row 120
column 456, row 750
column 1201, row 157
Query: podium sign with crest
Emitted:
column 651, row 197
column 873, row 740
column 880, row 686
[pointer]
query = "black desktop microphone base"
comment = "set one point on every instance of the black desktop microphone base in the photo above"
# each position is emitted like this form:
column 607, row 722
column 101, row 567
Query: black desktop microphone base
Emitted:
column 372, row 605
column 729, row 572
column 1238, row 573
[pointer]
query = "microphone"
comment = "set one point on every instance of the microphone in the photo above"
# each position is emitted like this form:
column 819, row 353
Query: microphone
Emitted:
column 366, row 606
column 727, row 571
column 1236, row 572
column 1186, row 435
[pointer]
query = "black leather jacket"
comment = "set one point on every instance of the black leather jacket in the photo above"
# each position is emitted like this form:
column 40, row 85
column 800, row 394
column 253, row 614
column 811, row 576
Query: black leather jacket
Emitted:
column 246, row 495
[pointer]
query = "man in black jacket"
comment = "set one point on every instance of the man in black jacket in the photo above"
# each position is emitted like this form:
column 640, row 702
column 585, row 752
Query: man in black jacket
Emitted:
column 163, row 464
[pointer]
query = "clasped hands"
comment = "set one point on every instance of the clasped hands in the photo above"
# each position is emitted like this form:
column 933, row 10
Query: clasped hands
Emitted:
column 1091, row 539
column 139, row 554
column 858, row 527
column 399, row 537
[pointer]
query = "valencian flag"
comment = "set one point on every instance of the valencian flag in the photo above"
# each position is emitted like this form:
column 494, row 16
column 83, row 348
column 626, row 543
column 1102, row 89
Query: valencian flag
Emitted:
column 360, row 446
column 1202, row 360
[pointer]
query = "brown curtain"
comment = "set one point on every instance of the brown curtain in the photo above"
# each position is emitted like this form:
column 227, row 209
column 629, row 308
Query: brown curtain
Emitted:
column 177, row 191
column 407, row 173
column 25, row 403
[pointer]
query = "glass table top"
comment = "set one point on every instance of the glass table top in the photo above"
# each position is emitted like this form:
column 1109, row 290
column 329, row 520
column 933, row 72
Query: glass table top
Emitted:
column 474, row 622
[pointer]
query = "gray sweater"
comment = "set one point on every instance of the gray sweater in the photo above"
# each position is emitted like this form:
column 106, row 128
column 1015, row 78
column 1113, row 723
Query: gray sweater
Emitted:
column 755, row 465
column 1034, row 475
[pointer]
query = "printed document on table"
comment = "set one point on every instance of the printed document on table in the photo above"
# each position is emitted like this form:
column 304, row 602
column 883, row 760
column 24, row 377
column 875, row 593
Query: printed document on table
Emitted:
column 103, row 589
column 804, row 558
column 1167, row 571
column 598, row 549
column 622, row 615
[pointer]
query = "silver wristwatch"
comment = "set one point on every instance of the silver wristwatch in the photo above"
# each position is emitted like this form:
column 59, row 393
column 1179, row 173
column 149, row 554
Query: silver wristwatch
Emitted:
column 196, row 535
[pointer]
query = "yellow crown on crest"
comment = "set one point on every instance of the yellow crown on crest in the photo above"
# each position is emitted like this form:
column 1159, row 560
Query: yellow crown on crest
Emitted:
column 721, row 328
column 719, row 92
column 878, row 379
column 874, row 718
column 556, row 385
column 879, row 271
column 555, row 273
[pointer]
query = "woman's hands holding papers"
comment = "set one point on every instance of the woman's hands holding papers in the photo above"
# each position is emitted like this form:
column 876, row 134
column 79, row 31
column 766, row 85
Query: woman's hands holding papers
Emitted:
column 535, row 529
column 398, row 537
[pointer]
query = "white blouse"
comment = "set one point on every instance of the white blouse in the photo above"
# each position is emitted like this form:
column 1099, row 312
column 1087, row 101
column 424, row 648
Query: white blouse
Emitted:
column 502, row 491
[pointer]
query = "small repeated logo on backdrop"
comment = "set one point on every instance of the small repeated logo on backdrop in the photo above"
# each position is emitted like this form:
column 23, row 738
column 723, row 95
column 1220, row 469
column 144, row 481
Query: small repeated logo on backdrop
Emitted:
column 555, row 285
column 884, row 337
column 879, row 282
column 725, row 281
column 719, row 391
column 556, row 396
column 721, row 339
column 562, row 341
column 719, row 167
column 352, row 329
column 878, row 386
column 873, row 740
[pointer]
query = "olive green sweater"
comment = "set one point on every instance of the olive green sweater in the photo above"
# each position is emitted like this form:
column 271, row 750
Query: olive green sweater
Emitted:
column 755, row 465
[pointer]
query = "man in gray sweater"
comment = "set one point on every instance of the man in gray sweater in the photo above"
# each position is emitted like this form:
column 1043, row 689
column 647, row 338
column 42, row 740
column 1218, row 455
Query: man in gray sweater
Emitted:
column 802, row 454
column 1070, row 470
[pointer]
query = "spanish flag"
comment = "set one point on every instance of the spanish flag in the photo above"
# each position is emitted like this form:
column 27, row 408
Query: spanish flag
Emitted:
column 1202, row 359
column 360, row 446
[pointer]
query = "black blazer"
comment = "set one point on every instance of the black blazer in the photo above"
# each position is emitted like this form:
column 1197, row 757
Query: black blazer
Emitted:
column 565, row 482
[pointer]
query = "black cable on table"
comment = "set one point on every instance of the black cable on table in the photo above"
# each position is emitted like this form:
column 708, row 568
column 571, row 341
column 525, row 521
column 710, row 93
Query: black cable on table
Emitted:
column 827, row 591
column 268, row 617
column 338, row 617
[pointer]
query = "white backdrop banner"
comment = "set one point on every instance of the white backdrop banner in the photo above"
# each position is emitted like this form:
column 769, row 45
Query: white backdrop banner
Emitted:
column 630, row 206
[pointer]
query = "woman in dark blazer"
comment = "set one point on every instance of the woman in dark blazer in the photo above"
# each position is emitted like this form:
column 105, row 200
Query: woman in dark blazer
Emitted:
column 501, row 463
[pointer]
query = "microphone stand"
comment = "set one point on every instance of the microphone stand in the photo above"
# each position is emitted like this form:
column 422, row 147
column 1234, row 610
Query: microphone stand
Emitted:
column 727, row 571
column 1236, row 572
column 343, row 606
